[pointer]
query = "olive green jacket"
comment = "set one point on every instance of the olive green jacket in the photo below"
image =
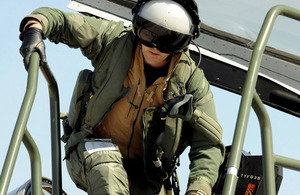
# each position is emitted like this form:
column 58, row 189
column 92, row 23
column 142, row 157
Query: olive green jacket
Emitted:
column 109, row 46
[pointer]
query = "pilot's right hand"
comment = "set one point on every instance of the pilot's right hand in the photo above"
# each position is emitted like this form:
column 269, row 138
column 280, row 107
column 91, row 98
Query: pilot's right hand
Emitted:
column 32, row 42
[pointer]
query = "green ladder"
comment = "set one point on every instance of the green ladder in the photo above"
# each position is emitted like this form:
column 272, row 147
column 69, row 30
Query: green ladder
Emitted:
column 250, row 97
column 22, row 134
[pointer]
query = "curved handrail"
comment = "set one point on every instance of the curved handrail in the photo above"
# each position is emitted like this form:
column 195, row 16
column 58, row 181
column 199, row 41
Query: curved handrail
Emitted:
column 20, row 127
column 55, row 130
column 248, row 96
column 21, row 133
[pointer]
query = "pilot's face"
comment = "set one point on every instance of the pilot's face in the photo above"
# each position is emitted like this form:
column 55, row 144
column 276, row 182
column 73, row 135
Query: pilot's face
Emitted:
column 154, row 57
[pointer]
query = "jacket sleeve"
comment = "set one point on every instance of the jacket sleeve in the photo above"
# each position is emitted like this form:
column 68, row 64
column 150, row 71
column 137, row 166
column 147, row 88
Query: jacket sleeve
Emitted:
column 207, row 149
column 90, row 34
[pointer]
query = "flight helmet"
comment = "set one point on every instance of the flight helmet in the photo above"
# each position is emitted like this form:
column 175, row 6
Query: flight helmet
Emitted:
column 168, row 25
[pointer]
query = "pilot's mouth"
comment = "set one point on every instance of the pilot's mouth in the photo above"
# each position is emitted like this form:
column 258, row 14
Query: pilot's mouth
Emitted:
column 153, row 53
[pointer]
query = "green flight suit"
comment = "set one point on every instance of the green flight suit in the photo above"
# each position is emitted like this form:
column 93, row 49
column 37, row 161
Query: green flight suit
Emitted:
column 109, row 46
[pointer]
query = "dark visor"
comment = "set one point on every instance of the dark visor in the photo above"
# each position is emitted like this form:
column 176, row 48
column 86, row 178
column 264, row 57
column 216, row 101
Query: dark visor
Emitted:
column 163, row 39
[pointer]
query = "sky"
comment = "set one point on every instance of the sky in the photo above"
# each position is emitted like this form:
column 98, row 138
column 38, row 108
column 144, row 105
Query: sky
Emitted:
column 65, row 64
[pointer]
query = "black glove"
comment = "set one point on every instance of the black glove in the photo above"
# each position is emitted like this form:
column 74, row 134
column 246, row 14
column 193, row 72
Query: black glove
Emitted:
column 32, row 42
column 180, row 106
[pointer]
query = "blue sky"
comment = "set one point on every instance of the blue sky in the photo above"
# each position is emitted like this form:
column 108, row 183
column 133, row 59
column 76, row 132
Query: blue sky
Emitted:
column 65, row 64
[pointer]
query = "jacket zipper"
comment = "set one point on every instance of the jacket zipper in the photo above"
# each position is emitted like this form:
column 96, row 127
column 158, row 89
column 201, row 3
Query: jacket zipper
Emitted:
column 139, row 108
column 131, row 102
column 133, row 124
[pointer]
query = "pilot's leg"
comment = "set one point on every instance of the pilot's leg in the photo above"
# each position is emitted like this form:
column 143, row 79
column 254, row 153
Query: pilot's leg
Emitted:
column 101, row 171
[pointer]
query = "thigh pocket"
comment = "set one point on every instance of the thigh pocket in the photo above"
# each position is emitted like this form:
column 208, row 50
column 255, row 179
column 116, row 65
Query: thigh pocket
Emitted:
column 97, row 151
column 104, row 169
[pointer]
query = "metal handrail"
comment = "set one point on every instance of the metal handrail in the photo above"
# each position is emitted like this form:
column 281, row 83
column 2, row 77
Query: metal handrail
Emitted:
column 250, row 97
column 55, row 130
column 21, row 133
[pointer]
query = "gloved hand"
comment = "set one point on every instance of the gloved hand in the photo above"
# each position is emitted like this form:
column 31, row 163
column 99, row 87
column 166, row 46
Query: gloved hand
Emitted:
column 180, row 106
column 32, row 42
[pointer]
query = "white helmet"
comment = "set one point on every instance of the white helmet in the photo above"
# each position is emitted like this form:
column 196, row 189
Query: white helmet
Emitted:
column 167, row 14
column 164, row 24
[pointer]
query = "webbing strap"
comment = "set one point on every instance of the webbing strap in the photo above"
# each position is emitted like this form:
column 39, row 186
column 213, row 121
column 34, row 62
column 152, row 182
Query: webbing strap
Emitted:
column 75, row 138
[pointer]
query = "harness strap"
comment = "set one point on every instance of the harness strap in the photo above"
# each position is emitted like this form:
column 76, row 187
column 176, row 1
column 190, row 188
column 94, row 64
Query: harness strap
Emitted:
column 75, row 138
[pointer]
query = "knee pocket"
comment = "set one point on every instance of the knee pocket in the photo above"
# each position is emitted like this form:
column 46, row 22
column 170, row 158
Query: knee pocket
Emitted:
column 107, row 178
column 107, row 174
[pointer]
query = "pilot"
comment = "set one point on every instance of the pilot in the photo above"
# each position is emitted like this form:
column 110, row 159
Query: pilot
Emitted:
column 144, row 102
